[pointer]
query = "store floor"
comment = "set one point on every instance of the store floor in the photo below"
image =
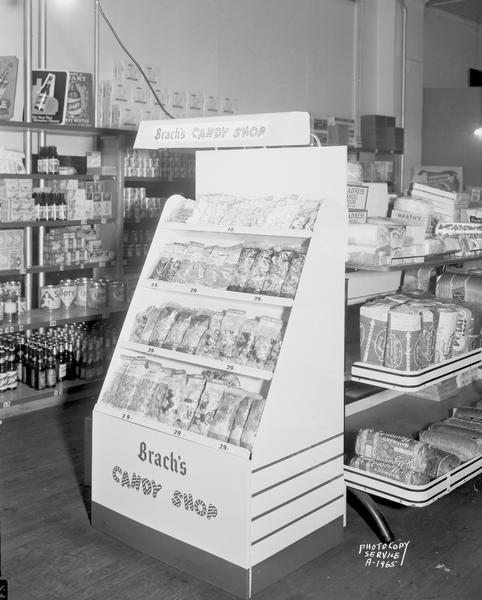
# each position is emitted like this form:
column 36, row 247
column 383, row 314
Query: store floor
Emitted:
column 50, row 551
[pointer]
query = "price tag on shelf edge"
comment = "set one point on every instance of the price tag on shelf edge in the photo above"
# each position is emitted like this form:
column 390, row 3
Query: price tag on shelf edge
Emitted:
column 52, row 323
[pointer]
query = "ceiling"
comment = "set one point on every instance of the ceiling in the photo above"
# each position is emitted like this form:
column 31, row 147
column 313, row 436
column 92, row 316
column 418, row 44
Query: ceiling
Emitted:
column 465, row 9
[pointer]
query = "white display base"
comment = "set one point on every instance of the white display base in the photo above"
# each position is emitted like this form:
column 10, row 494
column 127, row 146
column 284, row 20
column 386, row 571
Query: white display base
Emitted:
column 412, row 495
column 414, row 381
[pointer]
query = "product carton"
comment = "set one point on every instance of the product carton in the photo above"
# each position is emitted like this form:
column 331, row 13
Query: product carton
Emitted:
column 211, row 105
column 177, row 103
column 228, row 105
column 8, row 85
column 126, row 70
column 194, row 104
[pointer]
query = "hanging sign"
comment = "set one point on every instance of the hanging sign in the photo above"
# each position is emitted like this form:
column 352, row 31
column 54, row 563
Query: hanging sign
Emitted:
column 265, row 129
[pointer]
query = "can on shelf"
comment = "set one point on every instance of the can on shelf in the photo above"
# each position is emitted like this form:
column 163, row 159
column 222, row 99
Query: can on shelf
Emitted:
column 67, row 291
column 50, row 297
column 81, row 287
column 96, row 294
column 116, row 293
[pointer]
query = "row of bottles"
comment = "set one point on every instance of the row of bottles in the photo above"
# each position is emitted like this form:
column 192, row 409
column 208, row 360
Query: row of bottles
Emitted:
column 48, row 160
column 60, row 354
column 50, row 206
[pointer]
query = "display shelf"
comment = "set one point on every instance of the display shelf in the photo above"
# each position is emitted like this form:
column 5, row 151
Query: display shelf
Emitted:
column 407, row 415
column 414, row 381
column 173, row 431
column 65, row 129
column 159, row 180
column 412, row 495
column 360, row 150
column 24, row 393
column 55, row 176
column 202, row 290
column 74, row 223
column 12, row 272
column 72, row 267
column 260, row 231
column 285, row 497
column 432, row 260
column 38, row 318
column 202, row 361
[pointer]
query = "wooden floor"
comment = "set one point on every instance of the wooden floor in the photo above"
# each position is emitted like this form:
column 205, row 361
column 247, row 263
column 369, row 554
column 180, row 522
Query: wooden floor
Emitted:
column 50, row 551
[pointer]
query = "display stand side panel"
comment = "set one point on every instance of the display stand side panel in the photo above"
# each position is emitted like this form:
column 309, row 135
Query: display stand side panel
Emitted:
column 196, row 494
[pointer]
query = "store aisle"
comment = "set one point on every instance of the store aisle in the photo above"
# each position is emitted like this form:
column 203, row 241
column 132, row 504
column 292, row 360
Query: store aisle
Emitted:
column 50, row 551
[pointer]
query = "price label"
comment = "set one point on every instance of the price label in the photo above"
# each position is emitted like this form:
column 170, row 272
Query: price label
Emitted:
column 230, row 229
column 1, row 330
column 83, row 221
column 11, row 329
column 23, row 271
column 126, row 416
column 52, row 322
column 82, row 266
column 229, row 367
column 102, row 264
column 223, row 446
column 257, row 299
column 193, row 290
column 105, row 316
column 103, row 220
column 150, row 349
column 154, row 284
column 61, row 267
column 20, row 327
column 6, row 404
column 177, row 432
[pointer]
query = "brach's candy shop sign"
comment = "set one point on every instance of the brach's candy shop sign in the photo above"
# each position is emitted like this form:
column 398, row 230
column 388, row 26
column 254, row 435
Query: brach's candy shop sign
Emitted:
column 268, row 129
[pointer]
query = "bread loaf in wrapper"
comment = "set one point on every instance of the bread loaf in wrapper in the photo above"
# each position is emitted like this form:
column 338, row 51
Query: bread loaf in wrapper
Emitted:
column 441, row 462
column 465, row 423
column 460, row 286
column 462, row 331
column 390, row 470
column 429, row 316
column 404, row 333
column 366, row 234
column 373, row 331
column 469, row 433
column 463, row 447
column 447, row 323
column 396, row 230
column 369, row 255
column 391, row 448
column 468, row 412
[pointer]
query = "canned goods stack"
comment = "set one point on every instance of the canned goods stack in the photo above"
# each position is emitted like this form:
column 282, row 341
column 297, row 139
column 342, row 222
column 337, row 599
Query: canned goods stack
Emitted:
column 137, row 205
column 85, row 292
column 166, row 164
column 75, row 351
column 12, row 303
column 137, row 242
column 142, row 163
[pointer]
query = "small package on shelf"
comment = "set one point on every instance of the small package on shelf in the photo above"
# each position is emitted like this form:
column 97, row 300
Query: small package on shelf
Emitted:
column 189, row 403
column 470, row 413
column 209, row 340
column 245, row 341
column 130, row 380
column 259, row 271
column 369, row 255
column 208, row 404
column 148, row 382
column 181, row 324
column 166, row 317
column 290, row 284
column 149, row 326
column 171, row 400
column 278, row 271
column 268, row 331
column 222, row 422
column 250, row 428
column 239, row 420
column 109, row 395
column 198, row 326
column 229, row 331
column 368, row 234
column 246, row 260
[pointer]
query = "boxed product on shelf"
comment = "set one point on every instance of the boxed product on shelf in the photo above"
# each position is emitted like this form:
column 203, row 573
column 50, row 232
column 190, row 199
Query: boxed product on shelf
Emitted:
column 11, row 249
column 71, row 245
column 11, row 161
column 16, row 200
column 8, row 86
column 80, row 99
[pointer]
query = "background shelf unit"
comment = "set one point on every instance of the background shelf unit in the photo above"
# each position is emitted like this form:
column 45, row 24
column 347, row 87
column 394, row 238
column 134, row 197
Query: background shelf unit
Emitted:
column 288, row 492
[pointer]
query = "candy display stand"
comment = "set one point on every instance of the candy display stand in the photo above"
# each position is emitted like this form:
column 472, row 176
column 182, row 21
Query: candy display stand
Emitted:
column 241, row 518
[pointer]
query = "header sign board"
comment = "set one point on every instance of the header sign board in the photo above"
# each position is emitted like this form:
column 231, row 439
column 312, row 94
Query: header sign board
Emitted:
column 238, row 131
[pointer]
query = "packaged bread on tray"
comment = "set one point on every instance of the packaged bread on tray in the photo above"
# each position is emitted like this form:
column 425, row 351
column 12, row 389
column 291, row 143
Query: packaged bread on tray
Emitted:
column 404, row 333
column 463, row 447
column 391, row 448
column 373, row 331
column 471, row 413
column 390, row 470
